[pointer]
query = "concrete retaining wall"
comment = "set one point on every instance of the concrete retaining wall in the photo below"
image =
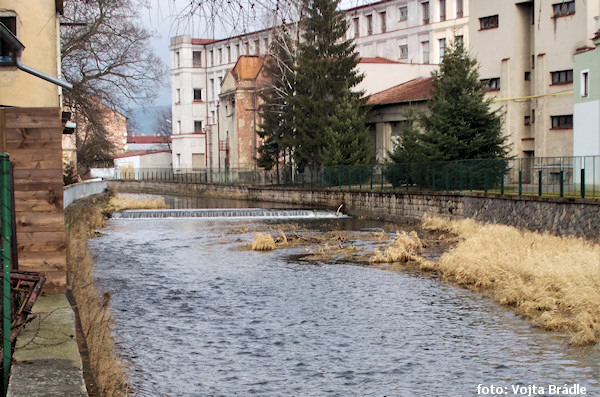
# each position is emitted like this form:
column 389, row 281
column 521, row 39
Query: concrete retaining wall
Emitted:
column 563, row 217
column 83, row 189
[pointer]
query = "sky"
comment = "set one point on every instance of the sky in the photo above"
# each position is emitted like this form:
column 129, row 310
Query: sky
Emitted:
column 222, row 18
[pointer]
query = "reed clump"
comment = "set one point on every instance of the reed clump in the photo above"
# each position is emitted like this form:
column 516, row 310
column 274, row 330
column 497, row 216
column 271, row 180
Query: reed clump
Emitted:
column 83, row 218
column 404, row 248
column 263, row 242
column 554, row 281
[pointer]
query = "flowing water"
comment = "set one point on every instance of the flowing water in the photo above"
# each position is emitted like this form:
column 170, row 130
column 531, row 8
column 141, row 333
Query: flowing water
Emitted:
column 195, row 315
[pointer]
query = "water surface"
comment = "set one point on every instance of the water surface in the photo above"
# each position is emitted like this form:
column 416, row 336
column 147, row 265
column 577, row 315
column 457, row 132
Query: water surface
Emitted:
column 197, row 316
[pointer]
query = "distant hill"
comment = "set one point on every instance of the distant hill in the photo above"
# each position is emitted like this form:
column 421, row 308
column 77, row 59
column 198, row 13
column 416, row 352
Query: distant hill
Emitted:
column 143, row 120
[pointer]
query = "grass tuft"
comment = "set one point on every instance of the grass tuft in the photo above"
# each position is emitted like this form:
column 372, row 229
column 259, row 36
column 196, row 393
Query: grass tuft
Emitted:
column 263, row 242
column 404, row 248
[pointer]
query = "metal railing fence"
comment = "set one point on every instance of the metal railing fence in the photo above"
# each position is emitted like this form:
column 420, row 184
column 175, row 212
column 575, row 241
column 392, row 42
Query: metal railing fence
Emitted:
column 539, row 176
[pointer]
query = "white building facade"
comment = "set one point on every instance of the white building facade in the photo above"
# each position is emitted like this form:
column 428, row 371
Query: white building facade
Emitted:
column 405, row 31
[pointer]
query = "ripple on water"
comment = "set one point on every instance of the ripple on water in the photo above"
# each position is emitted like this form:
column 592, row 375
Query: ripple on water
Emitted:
column 195, row 317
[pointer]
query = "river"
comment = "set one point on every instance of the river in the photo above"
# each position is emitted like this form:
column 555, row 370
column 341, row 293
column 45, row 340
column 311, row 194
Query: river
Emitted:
column 197, row 315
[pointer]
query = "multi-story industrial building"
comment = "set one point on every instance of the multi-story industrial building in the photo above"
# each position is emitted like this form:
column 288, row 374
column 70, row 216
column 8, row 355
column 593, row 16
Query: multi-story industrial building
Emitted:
column 407, row 32
column 525, row 51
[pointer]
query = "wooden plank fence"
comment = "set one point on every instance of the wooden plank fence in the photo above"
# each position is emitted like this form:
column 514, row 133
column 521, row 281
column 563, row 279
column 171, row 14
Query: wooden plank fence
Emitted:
column 33, row 139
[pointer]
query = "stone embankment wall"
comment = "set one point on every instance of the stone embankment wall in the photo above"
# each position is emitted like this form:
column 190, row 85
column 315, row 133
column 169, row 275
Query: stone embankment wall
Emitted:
column 566, row 217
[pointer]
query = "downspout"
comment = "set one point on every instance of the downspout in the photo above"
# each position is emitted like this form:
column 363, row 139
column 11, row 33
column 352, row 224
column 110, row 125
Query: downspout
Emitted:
column 17, row 48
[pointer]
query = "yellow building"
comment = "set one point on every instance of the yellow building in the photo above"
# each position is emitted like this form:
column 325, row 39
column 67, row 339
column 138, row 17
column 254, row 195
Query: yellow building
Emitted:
column 36, row 25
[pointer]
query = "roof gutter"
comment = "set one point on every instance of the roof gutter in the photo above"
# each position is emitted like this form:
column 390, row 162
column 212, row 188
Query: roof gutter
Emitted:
column 17, row 48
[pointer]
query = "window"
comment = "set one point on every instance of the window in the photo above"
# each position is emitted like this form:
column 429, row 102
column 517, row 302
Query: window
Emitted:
column 425, row 51
column 197, row 94
column 211, row 93
column 532, row 116
column 459, row 40
column 237, row 50
column 197, row 59
column 442, row 43
column 247, row 45
column 403, row 13
column 490, row 22
column 585, row 83
column 228, row 54
column 459, row 8
column 491, row 84
column 177, row 59
column 179, row 127
column 257, row 46
column 212, row 58
column 527, row 120
column 403, row 51
column 562, row 77
column 442, row 10
column 178, row 96
column 369, row 25
column 527, row 76
column 563, row 9
column 356, row 27
column 5, row 52
column 425, row 7
column 383, row 22
column 266, row 44
column 212, row 117
column 220, row 56
column 198, row 126
column 565, row 121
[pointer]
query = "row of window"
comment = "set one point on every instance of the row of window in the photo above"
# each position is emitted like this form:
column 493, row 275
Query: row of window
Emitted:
column 225, row 55
column 562, row 9
column 557, row 122
column 558, row 77
column 403, row 49
column 403, row 16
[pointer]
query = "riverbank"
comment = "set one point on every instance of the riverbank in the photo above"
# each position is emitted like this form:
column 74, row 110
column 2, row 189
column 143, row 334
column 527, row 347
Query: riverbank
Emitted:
column 83, row 218
column 553, row 281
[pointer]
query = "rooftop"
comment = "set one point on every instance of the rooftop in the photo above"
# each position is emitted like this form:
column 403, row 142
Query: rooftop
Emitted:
column 414, row 90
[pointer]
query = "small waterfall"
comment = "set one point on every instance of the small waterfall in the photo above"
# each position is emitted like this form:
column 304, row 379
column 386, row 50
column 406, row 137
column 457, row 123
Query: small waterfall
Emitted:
column 226, row 213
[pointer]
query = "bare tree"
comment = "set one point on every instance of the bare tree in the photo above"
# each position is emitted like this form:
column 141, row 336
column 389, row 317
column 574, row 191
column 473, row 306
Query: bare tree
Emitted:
column 162, row 125
column 106, row 56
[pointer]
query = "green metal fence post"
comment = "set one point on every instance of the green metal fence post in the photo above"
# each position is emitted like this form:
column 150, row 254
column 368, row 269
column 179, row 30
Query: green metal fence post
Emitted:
column 485, row 180
column 502, row 184
column 520, row 182
column 340, row 178
column 540, row 183
column 583, row 183
column 562, row 183
column 382, row 179
column 447, row 180
column 349, row 179
column 6, row 237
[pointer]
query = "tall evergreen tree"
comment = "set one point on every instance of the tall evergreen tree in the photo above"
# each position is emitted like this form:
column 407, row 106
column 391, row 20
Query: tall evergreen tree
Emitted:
column 326, row 115
column 459, row 123
column 274, row 128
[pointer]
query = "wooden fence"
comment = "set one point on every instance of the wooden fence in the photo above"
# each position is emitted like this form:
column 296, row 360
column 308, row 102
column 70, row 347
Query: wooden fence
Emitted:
column 33, row 139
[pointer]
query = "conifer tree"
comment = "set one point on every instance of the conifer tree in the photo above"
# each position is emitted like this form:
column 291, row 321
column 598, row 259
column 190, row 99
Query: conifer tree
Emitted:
column 459, row 123
column 275, row 128
column 326, row 115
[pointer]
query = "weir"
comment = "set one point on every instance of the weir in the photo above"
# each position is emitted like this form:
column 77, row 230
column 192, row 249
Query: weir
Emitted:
column 227, row 213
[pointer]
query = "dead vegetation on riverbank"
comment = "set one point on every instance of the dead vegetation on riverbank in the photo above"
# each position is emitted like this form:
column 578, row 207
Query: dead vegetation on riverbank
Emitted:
column 84, row 217
column 554, row 281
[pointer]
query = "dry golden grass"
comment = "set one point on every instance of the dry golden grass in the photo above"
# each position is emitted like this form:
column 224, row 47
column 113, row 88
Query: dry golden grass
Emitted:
column 404, row 248
column 263, row 242
column 118, row 203
column 83, row 218
column 554, row 281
